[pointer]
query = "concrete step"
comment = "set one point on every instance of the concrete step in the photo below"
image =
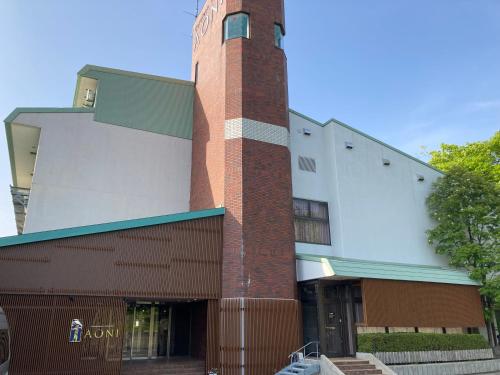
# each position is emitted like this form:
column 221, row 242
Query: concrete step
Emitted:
column 362, row 372
column 163, row 367
column 348, row 362
column 355, row 367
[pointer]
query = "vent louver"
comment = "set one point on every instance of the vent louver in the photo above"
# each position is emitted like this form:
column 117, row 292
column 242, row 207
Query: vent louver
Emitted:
column 307, row 164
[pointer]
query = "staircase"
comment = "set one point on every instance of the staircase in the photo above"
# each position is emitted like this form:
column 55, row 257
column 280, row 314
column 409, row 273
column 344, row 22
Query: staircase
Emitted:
column 300, row 368
column 355, row 366
column 164, row 367
column 300, row 364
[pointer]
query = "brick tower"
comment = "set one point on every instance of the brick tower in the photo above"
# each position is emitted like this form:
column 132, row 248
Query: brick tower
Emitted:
column 241, row 160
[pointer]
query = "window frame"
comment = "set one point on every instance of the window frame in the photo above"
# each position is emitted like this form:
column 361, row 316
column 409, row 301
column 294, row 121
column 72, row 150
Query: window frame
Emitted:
column 327, row 220
column 224, row 26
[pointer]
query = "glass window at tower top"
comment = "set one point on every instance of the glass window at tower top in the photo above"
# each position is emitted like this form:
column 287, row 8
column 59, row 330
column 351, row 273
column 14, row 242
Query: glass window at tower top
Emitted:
column 278, row 36
column 236, row 26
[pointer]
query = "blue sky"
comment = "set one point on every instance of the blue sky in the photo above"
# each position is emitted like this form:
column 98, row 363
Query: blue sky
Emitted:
column 411, row 73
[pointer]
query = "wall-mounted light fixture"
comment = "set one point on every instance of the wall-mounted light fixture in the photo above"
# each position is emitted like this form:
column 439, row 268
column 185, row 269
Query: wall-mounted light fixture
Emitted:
column 386, row 162
column 349, row 145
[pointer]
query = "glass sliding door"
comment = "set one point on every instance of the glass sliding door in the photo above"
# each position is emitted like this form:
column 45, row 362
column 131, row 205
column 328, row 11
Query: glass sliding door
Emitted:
column 141, row 331
column 146, row 331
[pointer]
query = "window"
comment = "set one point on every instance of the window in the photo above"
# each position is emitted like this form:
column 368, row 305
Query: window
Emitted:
column 311, row 222
column 196, row 73
column 278, row 36
column 236, row 26
column 357, row 299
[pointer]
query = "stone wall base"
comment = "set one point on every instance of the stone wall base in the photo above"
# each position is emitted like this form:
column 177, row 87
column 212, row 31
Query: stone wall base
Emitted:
column 451, row 368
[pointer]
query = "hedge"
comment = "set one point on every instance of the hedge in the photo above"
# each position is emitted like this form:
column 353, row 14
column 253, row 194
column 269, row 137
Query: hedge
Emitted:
column 416, row 342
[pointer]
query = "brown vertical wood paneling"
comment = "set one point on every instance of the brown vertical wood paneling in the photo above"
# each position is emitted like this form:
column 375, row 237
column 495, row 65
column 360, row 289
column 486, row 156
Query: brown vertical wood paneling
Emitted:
column 230, row 336
column 40, row 328
column 175, row 260
column 390, row 303
column 213, row 313
column 271, row 330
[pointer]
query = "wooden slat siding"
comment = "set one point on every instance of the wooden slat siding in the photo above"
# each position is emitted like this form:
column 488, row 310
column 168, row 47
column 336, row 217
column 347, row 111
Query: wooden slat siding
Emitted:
column 414, row 304
column 40, row 328
column 271, row 328
column 230, row 336
column 213, row 326
column 175, row 260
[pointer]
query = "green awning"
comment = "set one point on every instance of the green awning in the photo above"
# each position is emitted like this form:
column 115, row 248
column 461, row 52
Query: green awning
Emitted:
column 344, row 267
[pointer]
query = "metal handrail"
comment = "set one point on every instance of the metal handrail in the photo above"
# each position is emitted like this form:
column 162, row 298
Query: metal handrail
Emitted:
column 303, row 351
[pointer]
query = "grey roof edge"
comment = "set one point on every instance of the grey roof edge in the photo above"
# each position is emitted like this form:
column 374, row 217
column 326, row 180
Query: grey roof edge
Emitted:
column 88, row 68
column 108, row 227
column 348, row 127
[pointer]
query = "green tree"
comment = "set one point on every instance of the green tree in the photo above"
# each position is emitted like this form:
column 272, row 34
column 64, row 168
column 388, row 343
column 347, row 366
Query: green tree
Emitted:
column 464, row 205
column 480, row 157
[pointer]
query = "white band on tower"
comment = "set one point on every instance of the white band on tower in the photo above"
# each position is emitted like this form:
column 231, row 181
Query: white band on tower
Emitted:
column 256, row 130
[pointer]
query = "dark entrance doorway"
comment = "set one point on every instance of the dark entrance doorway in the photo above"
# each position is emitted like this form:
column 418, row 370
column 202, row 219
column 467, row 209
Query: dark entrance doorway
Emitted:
column 335, row 321
column 164, row 330
column 329, row 314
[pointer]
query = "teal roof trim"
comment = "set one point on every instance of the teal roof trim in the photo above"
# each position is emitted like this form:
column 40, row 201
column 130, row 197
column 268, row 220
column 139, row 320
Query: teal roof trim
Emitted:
column 344, row 125
column 306, row 117
column 107, row 227
column 16, row 112
column 392, row 271
column 141, row 101
column 89, row 68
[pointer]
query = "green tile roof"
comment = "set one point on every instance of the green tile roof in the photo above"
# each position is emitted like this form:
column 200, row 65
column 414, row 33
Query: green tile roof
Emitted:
column 141, row 101
column 391, row 271
column 107, row 227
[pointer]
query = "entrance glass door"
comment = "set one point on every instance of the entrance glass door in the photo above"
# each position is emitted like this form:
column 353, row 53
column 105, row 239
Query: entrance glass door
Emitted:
column 146, row 331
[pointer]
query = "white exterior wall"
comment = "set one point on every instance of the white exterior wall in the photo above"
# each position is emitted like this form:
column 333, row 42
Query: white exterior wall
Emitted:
column 376, row 212
column 89, row 173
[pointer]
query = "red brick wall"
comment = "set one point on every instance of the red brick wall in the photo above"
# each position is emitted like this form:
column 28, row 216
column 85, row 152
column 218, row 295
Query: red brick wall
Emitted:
column 207, row 173
column 245, row 78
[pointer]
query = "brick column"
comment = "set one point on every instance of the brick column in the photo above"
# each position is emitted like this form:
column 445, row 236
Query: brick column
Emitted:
column 241, row 159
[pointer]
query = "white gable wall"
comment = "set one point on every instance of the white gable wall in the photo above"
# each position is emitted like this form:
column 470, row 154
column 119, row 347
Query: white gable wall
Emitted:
column 377, row 212
column 90, row 173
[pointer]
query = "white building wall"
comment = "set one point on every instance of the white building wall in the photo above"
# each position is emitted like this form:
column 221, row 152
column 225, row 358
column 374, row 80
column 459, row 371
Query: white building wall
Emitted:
column 376, row 212
column 89, row 173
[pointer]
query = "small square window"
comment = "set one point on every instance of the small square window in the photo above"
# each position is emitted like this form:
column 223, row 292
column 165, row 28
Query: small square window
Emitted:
column 236, row 26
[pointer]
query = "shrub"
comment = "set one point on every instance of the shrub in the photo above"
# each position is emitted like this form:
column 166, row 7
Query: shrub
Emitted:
column 415, row 342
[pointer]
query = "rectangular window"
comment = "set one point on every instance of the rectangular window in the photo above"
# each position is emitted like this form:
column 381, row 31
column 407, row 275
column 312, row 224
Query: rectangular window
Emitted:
column 236, row 26
column 311, row 222
column 357, row 299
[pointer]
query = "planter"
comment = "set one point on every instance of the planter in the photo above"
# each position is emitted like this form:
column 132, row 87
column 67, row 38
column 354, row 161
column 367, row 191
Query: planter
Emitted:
column 434, row 356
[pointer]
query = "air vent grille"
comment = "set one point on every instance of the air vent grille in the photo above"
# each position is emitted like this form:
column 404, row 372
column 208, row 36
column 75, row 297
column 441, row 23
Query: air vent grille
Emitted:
column 307, row 164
